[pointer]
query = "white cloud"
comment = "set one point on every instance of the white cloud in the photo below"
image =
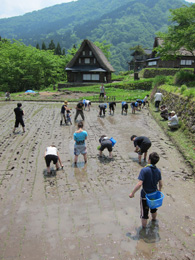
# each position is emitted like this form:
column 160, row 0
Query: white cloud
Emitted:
column 11, row 8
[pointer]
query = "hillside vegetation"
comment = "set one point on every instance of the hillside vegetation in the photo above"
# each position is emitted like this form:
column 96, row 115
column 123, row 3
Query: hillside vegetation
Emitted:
column 121, row 23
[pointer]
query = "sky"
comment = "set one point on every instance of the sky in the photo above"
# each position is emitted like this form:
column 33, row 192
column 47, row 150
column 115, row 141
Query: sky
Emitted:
column 10, row 8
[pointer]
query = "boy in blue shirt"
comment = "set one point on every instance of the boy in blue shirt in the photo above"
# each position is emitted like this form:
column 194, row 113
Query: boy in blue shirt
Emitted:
column 149, row 178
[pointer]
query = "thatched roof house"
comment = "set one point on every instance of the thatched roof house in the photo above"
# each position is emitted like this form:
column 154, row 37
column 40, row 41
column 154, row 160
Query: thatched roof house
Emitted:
column 185, row 58
column 89, row 65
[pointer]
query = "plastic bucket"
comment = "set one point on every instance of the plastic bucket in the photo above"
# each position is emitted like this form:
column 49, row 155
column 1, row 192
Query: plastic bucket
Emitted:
column 113, row 141
column 155, row 199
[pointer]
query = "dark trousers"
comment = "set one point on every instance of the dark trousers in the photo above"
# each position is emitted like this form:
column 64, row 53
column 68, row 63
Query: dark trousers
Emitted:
column 102, row 109
column 79, row 112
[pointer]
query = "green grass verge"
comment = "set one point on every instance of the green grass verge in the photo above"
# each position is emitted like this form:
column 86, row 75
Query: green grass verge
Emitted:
column 182, row 138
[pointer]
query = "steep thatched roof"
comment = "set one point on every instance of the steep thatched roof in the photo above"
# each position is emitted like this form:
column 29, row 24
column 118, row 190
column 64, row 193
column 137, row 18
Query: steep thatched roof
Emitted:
column 97, row 52
column 182, row 51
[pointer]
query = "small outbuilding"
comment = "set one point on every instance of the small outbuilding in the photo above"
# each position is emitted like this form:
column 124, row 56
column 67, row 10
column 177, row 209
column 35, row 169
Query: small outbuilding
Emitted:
column 89, row 65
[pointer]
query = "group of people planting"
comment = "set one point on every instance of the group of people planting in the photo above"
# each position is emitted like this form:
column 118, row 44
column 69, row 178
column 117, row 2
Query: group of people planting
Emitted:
column 150, row 176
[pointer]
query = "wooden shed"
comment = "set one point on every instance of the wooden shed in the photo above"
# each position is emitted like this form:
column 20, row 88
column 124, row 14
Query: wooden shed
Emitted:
column 89, row 65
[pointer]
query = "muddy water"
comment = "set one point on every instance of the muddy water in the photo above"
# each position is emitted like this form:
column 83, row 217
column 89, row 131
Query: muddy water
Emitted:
column 85, row 212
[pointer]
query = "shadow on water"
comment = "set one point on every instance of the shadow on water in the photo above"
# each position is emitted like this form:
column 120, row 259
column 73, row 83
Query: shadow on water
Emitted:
column 150, row 234
column 105, row 159
column 49, row 175
column 135, row 159
column 80, row 172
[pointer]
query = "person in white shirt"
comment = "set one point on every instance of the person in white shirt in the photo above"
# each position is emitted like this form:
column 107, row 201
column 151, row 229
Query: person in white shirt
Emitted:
column 157, row 99
column 174, row 121
column 102, row 91
column 52, row 154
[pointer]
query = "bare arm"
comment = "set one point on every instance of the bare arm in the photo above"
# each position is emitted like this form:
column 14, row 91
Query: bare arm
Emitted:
column 160, row 185
column 59, row 160
column 137, row 187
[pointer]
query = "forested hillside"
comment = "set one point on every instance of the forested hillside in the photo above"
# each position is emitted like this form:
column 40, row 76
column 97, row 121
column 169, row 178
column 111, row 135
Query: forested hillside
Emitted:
column 122, row 23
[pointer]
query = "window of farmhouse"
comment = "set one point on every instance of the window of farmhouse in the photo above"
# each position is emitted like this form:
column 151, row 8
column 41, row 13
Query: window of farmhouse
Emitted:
column 90, row 53
column 91, row 77
column 186, row 62
column 87, row 60
column 152, row 63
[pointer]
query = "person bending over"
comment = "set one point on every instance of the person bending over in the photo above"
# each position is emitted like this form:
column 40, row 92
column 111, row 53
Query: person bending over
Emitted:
column 105, row 143
column 142, row 144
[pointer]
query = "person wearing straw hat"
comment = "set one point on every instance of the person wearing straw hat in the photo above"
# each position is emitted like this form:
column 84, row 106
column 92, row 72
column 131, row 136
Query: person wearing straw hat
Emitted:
column 174, row 121
column 150, row 180
column 63, row 111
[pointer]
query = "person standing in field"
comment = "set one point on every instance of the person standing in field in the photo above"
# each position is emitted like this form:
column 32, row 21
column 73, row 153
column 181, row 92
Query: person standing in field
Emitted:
column 102, row 91
column 62, row 113
column 80, row 147
column 79, row 110
column 19, row 113
column 157, row 99
column 150, row 180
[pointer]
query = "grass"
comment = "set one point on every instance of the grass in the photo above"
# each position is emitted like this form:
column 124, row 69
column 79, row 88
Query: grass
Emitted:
column 182, row 138
column 183, row 90
column 119, row 94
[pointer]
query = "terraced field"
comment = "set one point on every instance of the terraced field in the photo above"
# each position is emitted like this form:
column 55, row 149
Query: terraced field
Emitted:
column 84, row 212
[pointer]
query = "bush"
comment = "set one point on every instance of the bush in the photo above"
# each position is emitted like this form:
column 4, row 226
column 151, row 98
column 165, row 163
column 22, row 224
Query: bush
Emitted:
column 159, row 80
column 183, row 88
column 183, row 77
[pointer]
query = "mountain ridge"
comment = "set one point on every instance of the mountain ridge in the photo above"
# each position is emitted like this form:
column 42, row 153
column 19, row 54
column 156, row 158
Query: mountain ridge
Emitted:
column 123, row 24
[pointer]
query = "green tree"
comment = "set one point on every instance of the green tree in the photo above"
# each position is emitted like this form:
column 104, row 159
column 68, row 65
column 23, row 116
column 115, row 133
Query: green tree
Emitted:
column 44, row 46
column 37, row 46
column 181, row 33
column 58, row 50
column 51, row 45
column 105, row 48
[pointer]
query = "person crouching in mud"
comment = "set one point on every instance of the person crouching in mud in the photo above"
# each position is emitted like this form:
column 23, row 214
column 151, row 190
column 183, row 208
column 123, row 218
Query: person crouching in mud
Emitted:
column 102, row 108
column 52, row 154
column 112, row 106
column 105, row 143
column 124, row 107
column 142, row 144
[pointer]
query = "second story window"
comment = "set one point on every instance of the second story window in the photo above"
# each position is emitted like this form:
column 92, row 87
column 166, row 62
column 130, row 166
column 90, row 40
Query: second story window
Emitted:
column 94, row 61
column 87, row 60
column 79, row 60
column 90, row 53
column 83, row 53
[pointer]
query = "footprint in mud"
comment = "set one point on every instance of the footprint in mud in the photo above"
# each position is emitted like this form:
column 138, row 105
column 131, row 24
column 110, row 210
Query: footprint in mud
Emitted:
column 12, row 168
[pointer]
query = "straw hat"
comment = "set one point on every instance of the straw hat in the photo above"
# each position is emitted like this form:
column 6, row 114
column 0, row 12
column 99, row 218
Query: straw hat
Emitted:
column 66, row 102
column 173, row 112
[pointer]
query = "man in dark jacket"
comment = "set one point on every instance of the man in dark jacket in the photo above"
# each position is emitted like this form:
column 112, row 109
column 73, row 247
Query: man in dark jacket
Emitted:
column 19, row 117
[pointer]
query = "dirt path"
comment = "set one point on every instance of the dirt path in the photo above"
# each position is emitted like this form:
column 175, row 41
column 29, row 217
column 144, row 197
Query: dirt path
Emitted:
column 85, row 212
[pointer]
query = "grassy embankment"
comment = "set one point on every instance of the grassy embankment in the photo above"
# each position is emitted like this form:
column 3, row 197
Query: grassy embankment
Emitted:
column 122, row 89
column 182, row 138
